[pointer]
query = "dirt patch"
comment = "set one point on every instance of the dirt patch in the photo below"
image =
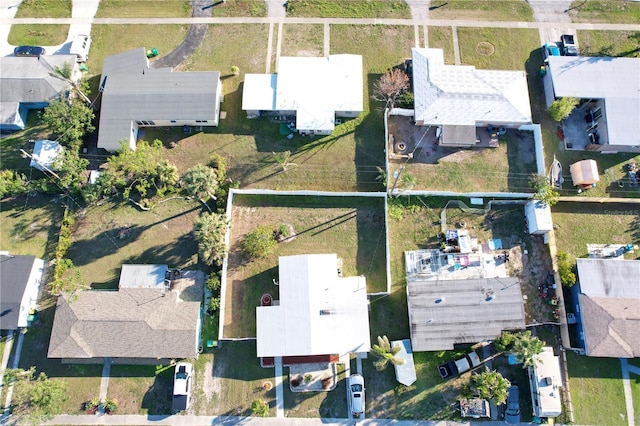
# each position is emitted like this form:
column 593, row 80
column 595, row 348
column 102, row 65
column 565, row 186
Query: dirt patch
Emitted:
column 212, row 385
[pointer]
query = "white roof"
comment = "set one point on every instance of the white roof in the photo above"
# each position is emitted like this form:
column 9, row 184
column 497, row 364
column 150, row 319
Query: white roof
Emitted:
column 405, row 373
column 142, row 276
column 613, row 79
column 45, row 153
column 545, row 383
column 538, row 216
column 609, row 277
column 464, row 95
column 318, row 313
column 259, row 92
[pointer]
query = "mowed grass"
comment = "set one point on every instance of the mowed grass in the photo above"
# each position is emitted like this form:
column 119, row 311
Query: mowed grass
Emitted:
column 302, row 40
column 44, row 9
column 112, row 234
column 348, row 9
column 596, row 11
column 353, row 228
column 238, row 8
column 497, row 48
column 635, row 393
column 481, row 10
column 441, row 38
column 609, row 43
column 579, row 224
column 141, row 389
column 38, row 34
column 596, row 376
column 144, row 9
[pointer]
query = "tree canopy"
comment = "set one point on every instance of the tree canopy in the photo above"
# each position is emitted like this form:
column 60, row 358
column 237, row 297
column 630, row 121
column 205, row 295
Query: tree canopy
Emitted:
column 210, row 230
column 69, row 120
column 543, row 190
column 561, row 108
column 390, row 86
column 260, row 242
column 37, row 399
column 491, row 385
column 202, row 182
column 522, row 344
column 386, row 354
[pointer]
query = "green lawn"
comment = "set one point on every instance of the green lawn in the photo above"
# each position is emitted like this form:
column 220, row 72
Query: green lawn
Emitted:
column 38, row 34
column 349, row 9
column 141, row 389
column 144, row 9
column 353, row 228
column 481, row 10
column 497, row 48
column 609, row 43
column 44, row 9
column 440, row 38
column 595, row 11
column 236, row 8
column 635, row 392
column 618, row 224
column 596, row 376
column 302, row 40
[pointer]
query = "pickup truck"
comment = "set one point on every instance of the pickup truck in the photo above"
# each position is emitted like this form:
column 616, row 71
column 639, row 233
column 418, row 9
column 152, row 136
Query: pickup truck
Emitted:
column 458, row 366
column 569, row 47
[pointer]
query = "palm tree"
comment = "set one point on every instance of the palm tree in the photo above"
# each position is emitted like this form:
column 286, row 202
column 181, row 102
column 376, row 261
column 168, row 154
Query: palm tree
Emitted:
column 201, row 181
column 491, row 385
column 525, row 347
column 386, row 354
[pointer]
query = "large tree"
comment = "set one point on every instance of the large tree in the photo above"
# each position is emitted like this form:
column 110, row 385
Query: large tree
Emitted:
column 202, row 182
column 260, row 242
column 491, row 385
column 522, row 344
column 390, row 86
column 37, row 399
column 210, row 229
column 386, row 354
column 69, row 120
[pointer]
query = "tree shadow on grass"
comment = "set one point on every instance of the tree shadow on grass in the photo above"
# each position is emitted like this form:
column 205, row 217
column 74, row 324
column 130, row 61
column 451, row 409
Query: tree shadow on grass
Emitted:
column 157, row 399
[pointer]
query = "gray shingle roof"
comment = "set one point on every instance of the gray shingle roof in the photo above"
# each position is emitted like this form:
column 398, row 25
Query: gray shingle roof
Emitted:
column 14, row 277
column 128, row 323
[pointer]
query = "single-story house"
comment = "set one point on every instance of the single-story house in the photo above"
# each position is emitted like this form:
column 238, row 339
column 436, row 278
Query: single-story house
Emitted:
column 134, row 95
column 319, row 311
column 30, row 83
column 458, row 99
column 545, row 382
column 144, row 321
column 315, row 90
column 608, row 91
column 20, row 279
column 45, row 154
column 607, row 307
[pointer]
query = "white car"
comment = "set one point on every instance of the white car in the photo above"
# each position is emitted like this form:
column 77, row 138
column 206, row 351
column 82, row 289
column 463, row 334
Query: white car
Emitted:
column 182, row 386
column 356, row 395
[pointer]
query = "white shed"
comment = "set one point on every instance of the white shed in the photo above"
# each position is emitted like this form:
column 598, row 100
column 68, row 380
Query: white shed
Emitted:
column 538, row 216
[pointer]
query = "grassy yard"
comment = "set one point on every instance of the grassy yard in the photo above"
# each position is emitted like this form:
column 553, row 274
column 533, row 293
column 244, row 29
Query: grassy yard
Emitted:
column 609, row 43
column 141, row 389
column 44, row 9
column 615, row 224
column 441, row 38
column 497, row 48
column 481, row 10
column 595, row 11
column 236, row 8
column 38, row 34
column 302, row 40
column 349, row 9
column 322, row 225
column 635, row 392
column 596, row 376
column 144, row 9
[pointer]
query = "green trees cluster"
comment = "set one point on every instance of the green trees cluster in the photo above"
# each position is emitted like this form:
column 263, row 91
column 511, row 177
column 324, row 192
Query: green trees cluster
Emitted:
column 210, row 230
column 522, row 344
column 543, row 190
column 491, row 385
column 561, row 108
column 260, row 242
column 565, row 269
column 36, row 399
column 70, row 121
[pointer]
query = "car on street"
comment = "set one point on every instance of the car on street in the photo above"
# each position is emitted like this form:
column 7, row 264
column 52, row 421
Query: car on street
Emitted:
column 452, row 368
column 550, row 49
column 29, row 51
column 182, row 381
column 512, row 413
column 356, row 395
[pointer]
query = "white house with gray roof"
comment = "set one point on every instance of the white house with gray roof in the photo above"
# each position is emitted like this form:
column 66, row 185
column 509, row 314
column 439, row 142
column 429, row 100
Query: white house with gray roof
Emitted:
column 315, row 90
column 134, row 96
column 609, row 90
column 30, row 83
column 460, row 98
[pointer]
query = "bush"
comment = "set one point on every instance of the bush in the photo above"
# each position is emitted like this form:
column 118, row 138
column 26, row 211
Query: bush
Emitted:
column 213, row 283
column 260, row 242
column 259, row 408
column 565, row 269
column 111, row 405
column 214, row 305
column 218, row 162
column 406, row 100
column 562, row 108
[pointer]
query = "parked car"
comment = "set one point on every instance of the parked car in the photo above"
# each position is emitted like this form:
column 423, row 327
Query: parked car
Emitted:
column 182, row 386
column 356, row 395
column 512, row 413
column 569, row 47
column 550, row 49
column 452, row 368
column 29, row 51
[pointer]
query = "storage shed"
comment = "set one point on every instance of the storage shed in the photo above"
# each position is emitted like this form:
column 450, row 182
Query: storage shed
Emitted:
column 538, row 216
column 584, row 172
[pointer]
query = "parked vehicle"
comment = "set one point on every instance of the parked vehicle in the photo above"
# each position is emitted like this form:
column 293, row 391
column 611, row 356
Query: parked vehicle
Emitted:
column 29, row 51
column 512, row 413
column 458, row 366
column 80, row 46
column 569, row 47
column 550, row 49
column 356, row 395
column 182, row 386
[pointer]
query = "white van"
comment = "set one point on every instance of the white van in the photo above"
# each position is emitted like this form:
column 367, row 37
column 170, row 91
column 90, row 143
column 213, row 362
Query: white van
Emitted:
column 80, row 46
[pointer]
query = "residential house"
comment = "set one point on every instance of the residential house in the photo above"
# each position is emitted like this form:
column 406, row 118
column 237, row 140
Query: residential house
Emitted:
column 606, row 119
column 135, row 95
column 147, row 320
column 607, row 299
column 319, row 312
column 30, row 83
column 460, row 99
column 316, row 90
column 20, row 279
column 545, row 382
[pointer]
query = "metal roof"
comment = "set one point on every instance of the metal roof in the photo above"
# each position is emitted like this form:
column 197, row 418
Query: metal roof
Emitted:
column 15, row 273
column 143, row 276
column 259, row 92
column 616, row 80
column 405, row 373
column 609, row 277
column 318, row 312
column 544, row 382
column 463, row 95
column 443, row 313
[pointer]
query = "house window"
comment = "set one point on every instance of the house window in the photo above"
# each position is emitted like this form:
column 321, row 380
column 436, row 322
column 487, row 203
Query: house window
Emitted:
column 173, row 121
column 145, row 123
column 202, row 121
